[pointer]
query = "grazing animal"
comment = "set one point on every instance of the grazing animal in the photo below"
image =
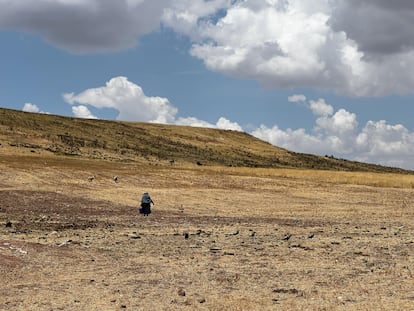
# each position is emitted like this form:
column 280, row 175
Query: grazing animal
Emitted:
column 199, row 163
column 172, row 162
column 116, row 179
column 91, row 178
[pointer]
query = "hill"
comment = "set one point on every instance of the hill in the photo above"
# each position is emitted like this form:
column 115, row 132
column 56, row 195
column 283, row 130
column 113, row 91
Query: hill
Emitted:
column 142, row 142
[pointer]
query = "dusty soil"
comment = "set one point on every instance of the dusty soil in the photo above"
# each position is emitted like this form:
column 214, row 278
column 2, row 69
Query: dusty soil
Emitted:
column 218, row 239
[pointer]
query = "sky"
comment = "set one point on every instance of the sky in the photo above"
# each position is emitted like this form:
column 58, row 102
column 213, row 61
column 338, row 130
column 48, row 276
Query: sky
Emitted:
column 326, row 77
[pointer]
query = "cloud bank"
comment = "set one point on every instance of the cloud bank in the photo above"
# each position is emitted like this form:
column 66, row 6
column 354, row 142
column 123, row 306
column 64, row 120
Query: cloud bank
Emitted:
column 356, row 48
column 82, row 26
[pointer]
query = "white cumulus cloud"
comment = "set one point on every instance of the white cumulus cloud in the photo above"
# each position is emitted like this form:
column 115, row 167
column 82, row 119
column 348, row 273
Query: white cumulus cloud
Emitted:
column 128, row 99
column 82, row 112
column 29, row 107
column 297, row 98
column 226, row 124
column 357, row 48
column 320, row 107
column 338, row 133
column 132, row 104
column 192, row 121
column 385, row 143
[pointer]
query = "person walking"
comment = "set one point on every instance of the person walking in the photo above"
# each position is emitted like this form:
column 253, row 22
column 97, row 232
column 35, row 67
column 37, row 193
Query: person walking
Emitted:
column 146, row 204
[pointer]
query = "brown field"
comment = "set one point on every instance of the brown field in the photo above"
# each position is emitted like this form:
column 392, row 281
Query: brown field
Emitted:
column 258, row 239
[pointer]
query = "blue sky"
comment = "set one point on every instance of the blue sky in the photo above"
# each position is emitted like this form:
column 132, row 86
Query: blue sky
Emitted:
column 324, row 76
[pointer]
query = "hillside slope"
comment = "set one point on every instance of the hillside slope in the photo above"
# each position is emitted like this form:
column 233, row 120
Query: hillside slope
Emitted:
column 137, row 142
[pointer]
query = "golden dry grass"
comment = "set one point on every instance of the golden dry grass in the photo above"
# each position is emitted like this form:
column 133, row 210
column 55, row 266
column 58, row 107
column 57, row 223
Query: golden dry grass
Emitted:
column 350, row 247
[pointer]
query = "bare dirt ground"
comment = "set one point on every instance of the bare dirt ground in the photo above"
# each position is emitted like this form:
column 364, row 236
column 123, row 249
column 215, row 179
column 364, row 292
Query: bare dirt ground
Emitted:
column 218, row 239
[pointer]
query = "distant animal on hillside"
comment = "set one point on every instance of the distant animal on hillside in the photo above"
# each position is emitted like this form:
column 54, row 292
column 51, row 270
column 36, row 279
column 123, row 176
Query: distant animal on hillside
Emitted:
column 91, row 178
column 199, row 163
column 172, row 162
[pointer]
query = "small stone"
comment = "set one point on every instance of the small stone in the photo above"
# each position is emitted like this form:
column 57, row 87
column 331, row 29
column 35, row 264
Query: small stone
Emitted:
column 233, row 233
column 215, row 249
column 133, row 236
column 202, row 300
column 8, row 224
column 287, row 237
column 186, row 235
column 181, row 292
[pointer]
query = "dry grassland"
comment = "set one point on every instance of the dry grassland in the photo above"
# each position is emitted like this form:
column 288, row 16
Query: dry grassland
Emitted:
column 258, row 239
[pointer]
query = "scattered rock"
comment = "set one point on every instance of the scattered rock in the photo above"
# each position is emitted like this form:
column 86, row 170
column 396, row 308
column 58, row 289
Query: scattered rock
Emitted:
column 17, row 249
column 215, row 249
column 306, row 248
column 199, row 232
column 133, row 236
column 123, row 306
column 287, row 237
column 202, row 300
column 233, row 233
column 181, row 292
column 65, row 243
column 186, row 235
column 8, row 224
column 291, row 291
column 311, row 235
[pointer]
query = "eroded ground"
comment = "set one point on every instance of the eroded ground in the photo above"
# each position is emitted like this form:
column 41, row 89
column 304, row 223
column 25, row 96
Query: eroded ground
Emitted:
column 224, row 240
